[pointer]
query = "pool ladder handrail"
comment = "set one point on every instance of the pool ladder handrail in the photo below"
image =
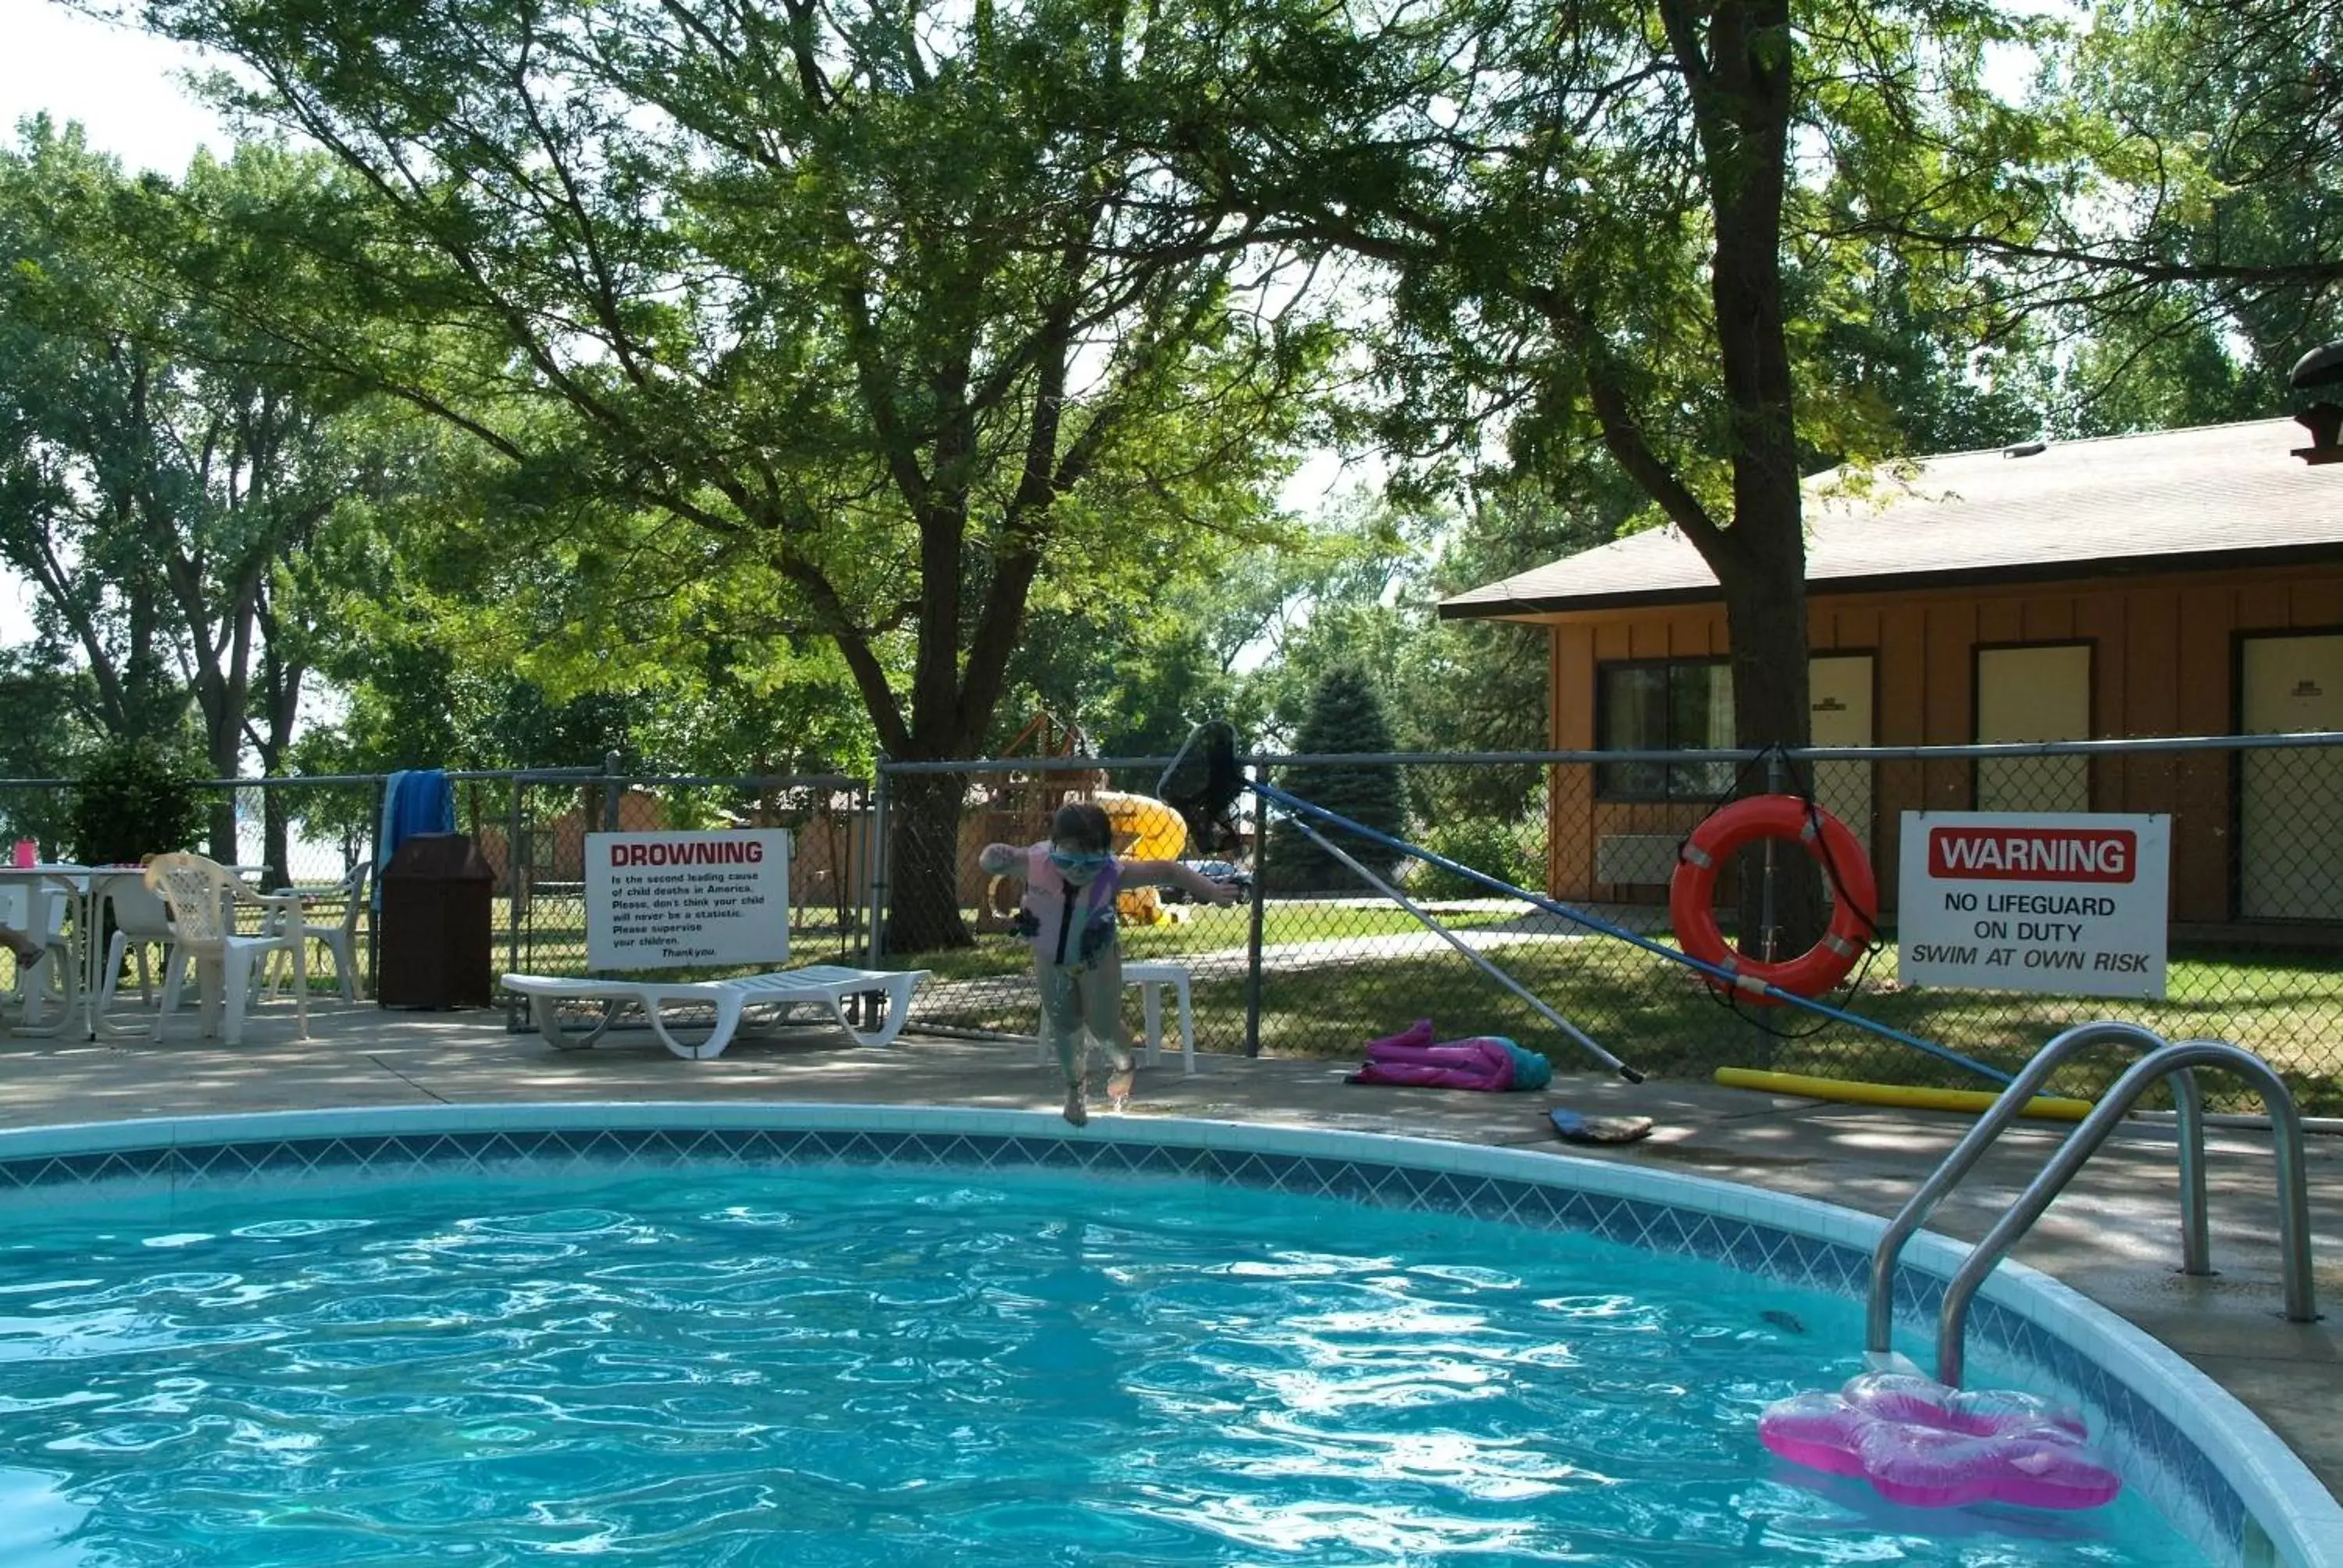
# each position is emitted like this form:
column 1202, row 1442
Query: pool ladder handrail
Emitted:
column 1880, row 1319
column 2173, row 1061
column 2162, row 1059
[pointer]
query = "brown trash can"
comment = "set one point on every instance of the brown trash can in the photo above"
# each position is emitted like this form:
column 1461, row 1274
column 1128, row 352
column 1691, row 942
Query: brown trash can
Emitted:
column 435, row 946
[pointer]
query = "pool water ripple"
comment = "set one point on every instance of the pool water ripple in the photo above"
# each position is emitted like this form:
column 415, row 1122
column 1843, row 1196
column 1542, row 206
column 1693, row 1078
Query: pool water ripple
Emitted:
column 818, row 1367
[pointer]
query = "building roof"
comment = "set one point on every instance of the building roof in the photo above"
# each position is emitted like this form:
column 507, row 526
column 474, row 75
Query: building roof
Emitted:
column 2216, row 495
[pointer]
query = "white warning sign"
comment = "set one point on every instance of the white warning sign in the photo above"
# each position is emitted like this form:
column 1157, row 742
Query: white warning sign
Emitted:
column 2073, row 902
column 657, row 900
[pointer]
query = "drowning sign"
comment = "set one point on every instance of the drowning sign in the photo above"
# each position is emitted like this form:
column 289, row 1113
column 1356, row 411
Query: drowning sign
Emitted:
column 2073, row 902
column 657, row 900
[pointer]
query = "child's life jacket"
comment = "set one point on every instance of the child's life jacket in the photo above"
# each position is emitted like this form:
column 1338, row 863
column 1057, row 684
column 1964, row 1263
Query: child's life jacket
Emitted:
column 1067, row 924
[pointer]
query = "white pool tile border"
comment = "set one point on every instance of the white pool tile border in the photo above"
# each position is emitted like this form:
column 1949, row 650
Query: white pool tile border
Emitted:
column 2289, row 1518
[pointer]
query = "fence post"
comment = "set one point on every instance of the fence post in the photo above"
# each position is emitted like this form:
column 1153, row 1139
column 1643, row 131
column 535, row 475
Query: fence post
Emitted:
column 874, row 944
column 513, row 895
column 610, row 792
column 1252, row 931
column 374, row 892
column 1769, row 922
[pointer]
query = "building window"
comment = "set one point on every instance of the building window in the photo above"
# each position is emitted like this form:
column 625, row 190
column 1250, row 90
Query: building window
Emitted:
column 2290, row 803
column 1664, row 705
column 2039, row 693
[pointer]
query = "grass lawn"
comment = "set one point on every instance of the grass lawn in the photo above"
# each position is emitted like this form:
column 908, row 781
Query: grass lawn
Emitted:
column 1320, row 1001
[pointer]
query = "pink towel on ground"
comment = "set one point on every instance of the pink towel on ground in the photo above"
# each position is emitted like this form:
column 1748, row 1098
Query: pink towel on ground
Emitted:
column 1409, row 1059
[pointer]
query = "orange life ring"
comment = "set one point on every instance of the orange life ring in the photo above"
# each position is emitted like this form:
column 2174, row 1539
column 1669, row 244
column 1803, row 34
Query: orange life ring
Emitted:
column 1854, row 895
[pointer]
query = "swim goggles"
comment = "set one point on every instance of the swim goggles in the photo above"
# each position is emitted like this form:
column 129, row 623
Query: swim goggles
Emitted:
column 1079, row 860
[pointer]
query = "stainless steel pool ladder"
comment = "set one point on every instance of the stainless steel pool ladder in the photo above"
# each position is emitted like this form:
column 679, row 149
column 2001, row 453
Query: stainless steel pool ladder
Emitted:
column 2161, row 1059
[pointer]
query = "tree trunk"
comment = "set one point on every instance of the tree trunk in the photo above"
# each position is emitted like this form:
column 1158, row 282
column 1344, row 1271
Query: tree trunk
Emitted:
column 1766, row 619
column 1741, row 75
column 280, row 686
column 1781, row 903
column 277, row 837
column 224, row 753
column 923, row 863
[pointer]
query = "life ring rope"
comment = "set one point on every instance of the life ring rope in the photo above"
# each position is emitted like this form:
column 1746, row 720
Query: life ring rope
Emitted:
column 1855, row 896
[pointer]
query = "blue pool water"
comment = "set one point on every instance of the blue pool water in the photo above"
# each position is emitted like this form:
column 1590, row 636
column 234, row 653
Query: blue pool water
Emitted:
column 811, row 1366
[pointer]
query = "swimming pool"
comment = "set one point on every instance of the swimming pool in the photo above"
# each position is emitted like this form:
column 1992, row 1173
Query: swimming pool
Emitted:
column 749, row 1334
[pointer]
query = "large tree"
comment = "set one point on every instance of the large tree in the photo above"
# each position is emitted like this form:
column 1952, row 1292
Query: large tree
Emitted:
column 2171, row 193
column 1346, row 715
column 74, row 427
column 1598, row 235
column 863, row 316
column 166, row 474
column 1601, row 232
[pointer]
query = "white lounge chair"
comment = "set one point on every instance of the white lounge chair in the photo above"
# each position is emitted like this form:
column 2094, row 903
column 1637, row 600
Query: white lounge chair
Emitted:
column 828, row 985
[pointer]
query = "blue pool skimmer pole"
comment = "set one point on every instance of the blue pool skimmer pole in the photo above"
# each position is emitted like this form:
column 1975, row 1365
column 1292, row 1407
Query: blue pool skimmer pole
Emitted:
column 1593, row 923
column 1451, row 937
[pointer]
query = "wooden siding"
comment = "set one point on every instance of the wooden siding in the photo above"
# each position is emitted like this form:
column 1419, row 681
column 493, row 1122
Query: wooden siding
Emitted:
column 2164, row 662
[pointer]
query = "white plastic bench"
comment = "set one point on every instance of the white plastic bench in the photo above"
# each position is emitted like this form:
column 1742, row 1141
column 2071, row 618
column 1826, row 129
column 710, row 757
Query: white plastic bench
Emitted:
column 828, row 985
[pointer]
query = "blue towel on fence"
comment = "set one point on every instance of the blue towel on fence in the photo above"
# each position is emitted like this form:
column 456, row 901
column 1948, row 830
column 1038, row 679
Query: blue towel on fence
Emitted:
column 382, row 832
column 414, row 800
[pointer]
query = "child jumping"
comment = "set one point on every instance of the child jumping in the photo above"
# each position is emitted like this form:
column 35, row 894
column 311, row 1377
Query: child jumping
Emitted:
column 1070, row 881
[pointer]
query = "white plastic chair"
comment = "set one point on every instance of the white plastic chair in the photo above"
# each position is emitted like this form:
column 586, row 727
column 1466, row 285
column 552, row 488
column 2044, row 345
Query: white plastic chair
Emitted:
column 203, row 896
column 340, row 936
column 1151, row 979
column 141, row 922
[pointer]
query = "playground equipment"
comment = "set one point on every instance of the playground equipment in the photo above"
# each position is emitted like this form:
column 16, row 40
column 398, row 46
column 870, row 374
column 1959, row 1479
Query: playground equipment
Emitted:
column 1145, row 829
column 1021, row 804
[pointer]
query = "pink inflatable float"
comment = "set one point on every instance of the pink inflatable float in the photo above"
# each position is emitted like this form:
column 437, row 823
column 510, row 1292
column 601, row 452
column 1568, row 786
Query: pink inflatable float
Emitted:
column 1928, row 1446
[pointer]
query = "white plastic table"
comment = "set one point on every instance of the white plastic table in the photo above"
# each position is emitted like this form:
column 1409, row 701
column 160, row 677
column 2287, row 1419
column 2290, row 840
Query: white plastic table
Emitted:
column 86, row 887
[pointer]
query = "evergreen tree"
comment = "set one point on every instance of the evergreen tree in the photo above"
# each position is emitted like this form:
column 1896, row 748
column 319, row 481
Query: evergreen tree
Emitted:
column 1345, row 716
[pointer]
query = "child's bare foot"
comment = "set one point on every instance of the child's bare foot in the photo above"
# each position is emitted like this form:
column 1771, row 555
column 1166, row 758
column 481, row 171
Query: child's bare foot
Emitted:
column 1075, row 1111
column 1117, row 1085
column 28, row 949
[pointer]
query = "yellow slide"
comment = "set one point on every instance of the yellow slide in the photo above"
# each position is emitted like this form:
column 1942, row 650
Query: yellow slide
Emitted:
column 1155, row 833
column 2049, row 1108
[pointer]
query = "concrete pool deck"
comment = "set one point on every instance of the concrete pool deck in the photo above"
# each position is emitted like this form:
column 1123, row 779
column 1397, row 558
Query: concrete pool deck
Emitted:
column 2113, row 1235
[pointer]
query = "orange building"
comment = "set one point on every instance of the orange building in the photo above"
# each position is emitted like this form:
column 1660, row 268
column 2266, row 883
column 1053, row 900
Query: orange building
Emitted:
column 2185, row 583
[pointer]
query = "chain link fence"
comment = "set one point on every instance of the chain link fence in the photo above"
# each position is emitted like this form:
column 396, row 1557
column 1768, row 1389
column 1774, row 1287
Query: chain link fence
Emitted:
column 316, row 834
column 531, row 828
column 309, row 834
column 282, row 832
column 1316, row 962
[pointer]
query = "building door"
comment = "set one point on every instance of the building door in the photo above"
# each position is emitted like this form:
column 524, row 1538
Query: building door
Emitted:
column 2040, row 693
column 2290, row 803
column 1839, row 696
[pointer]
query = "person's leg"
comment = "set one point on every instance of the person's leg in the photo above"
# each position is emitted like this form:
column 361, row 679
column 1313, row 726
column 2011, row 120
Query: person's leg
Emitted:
column 1061, row 1029
column 25, row 946
column 1101, row 998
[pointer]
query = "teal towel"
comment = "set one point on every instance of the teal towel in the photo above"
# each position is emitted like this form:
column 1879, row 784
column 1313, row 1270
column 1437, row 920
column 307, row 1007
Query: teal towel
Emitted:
column 1531, row 1069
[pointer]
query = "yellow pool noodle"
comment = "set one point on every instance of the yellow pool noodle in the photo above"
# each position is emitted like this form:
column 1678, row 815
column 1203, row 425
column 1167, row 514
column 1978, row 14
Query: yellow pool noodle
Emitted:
column 2047, row 1107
